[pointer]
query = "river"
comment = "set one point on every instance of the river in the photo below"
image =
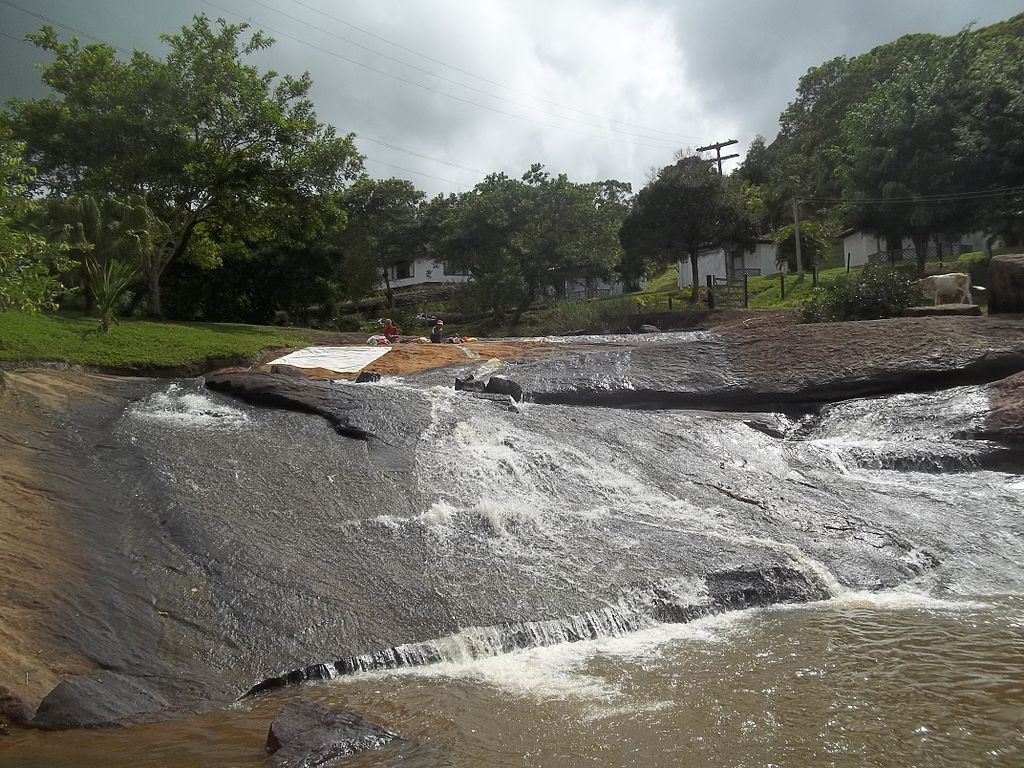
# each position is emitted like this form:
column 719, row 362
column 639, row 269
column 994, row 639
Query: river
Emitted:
column 525, row 573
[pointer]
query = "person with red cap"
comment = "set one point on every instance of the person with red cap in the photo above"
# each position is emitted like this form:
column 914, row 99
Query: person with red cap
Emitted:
column 437, row 332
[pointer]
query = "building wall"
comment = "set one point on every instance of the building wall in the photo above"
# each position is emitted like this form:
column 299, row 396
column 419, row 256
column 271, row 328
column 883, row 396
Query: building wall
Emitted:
column 708, row 263
column 582, row 288
column 424, row 271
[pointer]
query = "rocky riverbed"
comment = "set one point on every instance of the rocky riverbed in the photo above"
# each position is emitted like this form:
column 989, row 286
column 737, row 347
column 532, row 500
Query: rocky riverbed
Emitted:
column 164, row 549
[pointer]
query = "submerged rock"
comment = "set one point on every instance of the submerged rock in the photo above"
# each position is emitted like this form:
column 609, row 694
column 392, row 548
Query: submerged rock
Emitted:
column 94, row 700
column 306, row 734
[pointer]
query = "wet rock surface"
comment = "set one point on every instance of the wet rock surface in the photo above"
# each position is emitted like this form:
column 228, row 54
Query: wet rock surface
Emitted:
column 1005, row 420
column 802, row 364
column 295, row 393
column 307, row 734
column 105, row 698
column 223, row 543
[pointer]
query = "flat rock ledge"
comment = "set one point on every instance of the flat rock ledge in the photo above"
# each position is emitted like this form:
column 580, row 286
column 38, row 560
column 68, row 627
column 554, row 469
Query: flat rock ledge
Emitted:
column 798, row 365
column 306, row 734
column 943, row 309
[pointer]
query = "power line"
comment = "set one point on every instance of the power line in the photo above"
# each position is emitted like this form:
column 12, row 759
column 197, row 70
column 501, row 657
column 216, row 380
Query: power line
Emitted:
column 48, row 20
column 671, row 134
column 459, row 184
column 367, row 138
column 941, row 198
column 438, row 92
column 442, row 78
column 361, row 137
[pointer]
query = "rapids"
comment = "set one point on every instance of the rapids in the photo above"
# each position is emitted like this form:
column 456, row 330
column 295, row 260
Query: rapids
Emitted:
column 557, row 585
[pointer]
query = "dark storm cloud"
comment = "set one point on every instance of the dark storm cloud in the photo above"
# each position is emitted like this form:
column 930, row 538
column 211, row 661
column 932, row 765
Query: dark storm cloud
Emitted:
column 594, row 88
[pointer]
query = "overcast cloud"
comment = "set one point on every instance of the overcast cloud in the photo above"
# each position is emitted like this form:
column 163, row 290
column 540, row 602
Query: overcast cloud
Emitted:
column 594, row 88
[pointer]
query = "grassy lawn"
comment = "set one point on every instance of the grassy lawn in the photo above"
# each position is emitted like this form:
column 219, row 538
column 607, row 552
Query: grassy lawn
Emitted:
column 133, row 344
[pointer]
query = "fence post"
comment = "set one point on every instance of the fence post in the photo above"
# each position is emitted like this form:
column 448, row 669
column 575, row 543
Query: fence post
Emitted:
column 711, row 284
column 814, row 276
column 782, row 285
column 848, row 257
column 670, row 302
column 746, row 292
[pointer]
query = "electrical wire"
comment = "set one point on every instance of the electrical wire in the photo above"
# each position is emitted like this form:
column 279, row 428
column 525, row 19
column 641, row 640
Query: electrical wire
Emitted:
column 442, row 78
column 48, row 20
column 435, row 90
column 940, row 198
column 361, row 137
column 458, row 184
column 670, row 134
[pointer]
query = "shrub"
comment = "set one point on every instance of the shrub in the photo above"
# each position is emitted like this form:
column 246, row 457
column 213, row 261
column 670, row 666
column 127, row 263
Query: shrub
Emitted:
column 873, row 293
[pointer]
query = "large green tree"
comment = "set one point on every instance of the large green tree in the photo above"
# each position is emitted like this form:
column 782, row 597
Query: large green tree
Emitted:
column 902, row 145
column 523, row 238
column 202, row 136
column 685, row 209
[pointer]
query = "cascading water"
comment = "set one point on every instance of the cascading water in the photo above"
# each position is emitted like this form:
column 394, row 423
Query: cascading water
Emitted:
column 467, row 543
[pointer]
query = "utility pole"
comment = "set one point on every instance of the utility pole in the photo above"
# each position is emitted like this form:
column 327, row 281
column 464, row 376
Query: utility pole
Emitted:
column 717, row 146
column 796, row 235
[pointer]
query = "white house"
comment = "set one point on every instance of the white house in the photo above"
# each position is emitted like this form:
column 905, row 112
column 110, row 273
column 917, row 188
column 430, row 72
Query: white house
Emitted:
column 860, row 248
column 731, row 263
column 424, row 270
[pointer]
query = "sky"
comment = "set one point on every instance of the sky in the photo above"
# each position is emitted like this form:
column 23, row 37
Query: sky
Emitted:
column 443, row 92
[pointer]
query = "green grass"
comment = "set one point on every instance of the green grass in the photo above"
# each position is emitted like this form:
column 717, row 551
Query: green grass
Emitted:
column 133, row 344
column 665, row 282
column 766, row 292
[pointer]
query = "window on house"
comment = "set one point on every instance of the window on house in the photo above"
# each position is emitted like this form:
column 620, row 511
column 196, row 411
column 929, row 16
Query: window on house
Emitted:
column 453, row 270
column 403, row 270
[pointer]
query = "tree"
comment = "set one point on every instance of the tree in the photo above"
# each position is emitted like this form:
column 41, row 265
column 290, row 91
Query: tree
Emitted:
column 687, row 208
column 201, row 135
column 381, row 232
column 96, row 232
column 30, row 266
column 902, row 145
column 523, row 238
column 814, row 244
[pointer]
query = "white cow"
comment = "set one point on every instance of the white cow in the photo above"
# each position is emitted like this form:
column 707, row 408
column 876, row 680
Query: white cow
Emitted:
column 956, row 286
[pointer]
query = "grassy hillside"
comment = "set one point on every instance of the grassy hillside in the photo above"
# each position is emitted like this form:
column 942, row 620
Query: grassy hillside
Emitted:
column 133, row 344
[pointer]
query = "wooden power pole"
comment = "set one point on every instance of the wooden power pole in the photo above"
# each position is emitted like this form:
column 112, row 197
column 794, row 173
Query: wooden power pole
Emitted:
column 717, row 146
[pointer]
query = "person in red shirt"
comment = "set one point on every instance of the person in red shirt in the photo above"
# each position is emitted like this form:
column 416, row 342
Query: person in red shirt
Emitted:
column 391, row 330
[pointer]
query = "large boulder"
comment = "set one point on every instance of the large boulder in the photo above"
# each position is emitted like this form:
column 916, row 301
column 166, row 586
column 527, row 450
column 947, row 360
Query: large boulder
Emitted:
column 105, row 698
column 293, row 393
column 1006, row 284
column 765, row 368
column 306, row 734
column 1005, row 419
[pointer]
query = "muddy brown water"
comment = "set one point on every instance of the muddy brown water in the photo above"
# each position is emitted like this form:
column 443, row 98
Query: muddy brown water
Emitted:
column 893, row 680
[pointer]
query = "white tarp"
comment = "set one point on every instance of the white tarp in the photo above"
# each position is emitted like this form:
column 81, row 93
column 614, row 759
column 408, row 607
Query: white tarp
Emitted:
column 337, row 359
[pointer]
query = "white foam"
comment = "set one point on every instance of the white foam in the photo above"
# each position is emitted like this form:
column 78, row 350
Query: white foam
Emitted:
column 558, row 671
column 178, row 408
